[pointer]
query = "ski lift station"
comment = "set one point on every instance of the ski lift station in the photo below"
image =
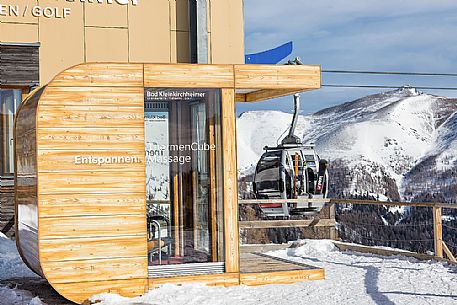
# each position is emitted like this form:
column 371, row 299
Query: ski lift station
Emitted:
column 96, row 214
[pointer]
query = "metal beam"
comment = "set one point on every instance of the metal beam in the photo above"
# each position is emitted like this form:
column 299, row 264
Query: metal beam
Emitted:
column 202, row 32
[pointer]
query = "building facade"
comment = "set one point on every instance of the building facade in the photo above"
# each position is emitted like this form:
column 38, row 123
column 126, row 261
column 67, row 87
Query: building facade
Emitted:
column 41, row 38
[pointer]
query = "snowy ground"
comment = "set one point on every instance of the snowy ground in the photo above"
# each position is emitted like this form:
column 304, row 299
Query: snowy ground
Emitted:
column 11, row 266
column 351, row 278
column 13, row 296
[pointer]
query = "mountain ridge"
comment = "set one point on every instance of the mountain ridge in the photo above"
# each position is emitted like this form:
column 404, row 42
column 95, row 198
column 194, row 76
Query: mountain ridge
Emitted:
column 401, row 135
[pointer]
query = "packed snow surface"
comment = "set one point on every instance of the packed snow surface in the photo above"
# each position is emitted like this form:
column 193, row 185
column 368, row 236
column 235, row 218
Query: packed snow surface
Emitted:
column 351, row 278
column 12, row 296
column 11, row 266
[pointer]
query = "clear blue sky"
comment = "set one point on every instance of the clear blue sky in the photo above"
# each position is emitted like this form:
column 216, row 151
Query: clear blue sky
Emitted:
column 387, row 35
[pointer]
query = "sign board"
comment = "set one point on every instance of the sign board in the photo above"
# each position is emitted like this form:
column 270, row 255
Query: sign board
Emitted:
column 19, row 10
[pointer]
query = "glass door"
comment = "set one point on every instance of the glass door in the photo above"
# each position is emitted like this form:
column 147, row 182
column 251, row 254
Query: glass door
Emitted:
column 184, row 189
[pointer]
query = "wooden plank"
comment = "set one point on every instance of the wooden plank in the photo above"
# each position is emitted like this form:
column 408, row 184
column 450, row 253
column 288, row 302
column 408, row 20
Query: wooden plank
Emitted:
column 100, row 75
column 262, row 95
column 262, row 248
column 92, row 226
column 263, row 224
column 257, row 262
column 27, row 245
column 91, row 138
column 91, row 116
column 64, row 160
column 240, row 97
column 299, row 200
column 27, row 115
column 353, row 201
column 385, row 252
column 75, row 204
column 213, row 223
column 285, row 277
column 261, row 269
column 230, row 187
column 277, row 77
column 71, row 249
column 378, row 251
column 176, row 216
column 79, row 292
column 19, row 65
column 91, row 182
column 449, row 253
column 104, row 97
column 103, row 269
column 188, row 76
column 438, row 232
column 395, row 203
column 224, row 279
column 26, row 197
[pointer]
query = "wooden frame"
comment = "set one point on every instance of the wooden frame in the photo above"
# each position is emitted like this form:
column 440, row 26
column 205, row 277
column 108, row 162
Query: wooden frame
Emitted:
column 83, row 226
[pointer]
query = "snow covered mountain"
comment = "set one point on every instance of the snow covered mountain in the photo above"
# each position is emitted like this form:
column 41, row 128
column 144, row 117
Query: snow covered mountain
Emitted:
column 400, row 143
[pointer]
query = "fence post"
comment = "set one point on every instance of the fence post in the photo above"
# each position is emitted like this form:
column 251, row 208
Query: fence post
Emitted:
column 438, row 232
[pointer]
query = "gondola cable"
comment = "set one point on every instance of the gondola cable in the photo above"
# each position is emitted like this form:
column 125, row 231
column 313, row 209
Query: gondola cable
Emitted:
column 386, row 87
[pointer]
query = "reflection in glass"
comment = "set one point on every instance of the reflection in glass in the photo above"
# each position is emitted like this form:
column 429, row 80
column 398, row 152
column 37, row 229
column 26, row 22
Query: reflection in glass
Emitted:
column 183, row 176
column 10, row 101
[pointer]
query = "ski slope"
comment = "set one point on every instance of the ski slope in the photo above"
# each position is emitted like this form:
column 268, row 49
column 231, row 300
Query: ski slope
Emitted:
column 351, row 278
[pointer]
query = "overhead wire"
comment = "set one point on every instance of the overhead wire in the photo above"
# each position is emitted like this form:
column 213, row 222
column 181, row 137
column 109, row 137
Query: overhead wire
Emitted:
column 397, row 73
column 449, row 227
column 341, row 221
column 389, row 73
column 362, row 237
column 386, row 87
column 330, row 85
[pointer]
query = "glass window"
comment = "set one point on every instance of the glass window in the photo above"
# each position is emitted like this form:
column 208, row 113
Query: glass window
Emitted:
column 183, row 176
column 269, row 160
column 10, row 101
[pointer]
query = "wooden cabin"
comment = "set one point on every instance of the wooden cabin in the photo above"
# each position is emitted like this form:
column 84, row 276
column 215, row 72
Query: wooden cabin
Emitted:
column 127, row 176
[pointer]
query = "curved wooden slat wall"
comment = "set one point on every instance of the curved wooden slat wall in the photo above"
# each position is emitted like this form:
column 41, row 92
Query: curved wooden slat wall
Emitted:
column 26, row 182
column 90, row 220
column 92, row 224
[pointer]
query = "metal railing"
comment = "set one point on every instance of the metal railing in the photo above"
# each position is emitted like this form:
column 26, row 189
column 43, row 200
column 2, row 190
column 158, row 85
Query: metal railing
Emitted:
column 440, row 247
